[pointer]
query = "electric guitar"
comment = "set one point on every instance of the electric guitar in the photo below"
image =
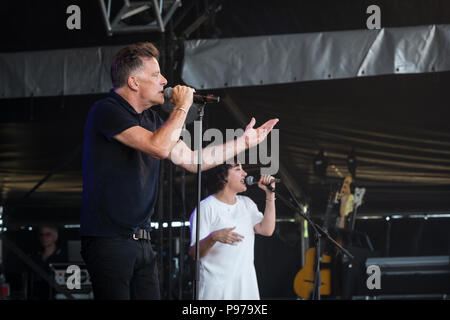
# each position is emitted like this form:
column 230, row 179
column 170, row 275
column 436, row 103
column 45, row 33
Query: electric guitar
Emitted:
column 359, row 195
column 347, row 201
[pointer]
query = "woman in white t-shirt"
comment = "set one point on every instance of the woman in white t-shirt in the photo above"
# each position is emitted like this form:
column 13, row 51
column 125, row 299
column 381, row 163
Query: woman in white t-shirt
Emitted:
column 228, row 223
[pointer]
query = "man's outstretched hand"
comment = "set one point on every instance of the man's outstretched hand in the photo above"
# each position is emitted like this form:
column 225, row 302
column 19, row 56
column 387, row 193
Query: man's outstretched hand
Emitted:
column 253, row 136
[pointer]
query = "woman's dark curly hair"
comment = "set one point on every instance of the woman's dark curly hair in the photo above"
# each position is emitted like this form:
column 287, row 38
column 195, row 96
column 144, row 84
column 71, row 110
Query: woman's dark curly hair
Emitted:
column 216, row 178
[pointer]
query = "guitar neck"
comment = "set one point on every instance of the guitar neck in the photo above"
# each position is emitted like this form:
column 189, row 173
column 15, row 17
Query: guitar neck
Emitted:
column 341, row 222
column 327, row 217
column 353, row 219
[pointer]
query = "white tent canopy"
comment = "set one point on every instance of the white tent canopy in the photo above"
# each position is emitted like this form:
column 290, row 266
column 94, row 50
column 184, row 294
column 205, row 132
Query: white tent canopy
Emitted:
column 234, row 62
column 251, row 61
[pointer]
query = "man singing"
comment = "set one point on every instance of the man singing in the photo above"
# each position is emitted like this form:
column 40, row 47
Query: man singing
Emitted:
column 124, row 143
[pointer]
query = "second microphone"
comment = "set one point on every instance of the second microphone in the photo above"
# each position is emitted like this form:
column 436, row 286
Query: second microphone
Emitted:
column 250, row 180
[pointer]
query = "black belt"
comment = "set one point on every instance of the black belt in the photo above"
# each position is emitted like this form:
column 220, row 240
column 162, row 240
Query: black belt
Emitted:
column 141, row 234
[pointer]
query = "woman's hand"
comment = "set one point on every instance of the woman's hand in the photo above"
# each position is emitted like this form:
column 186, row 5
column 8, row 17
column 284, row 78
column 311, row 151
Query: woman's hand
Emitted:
column 227, row 236
column 266, row 180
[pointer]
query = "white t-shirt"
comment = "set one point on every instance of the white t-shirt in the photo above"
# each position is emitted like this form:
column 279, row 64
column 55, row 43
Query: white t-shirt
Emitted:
column 227, row 272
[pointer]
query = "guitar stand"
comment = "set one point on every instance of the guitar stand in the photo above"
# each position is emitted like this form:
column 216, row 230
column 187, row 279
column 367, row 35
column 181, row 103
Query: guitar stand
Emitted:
column 319, row 232
column 318, row 275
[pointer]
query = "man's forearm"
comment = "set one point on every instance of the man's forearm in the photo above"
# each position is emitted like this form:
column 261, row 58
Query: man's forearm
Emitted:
column 211, row 155
column 215, row 155
column 169, row 133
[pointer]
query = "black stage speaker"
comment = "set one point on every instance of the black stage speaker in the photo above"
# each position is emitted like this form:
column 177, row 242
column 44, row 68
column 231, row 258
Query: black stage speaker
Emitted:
column 277, row 260
column 417, row 277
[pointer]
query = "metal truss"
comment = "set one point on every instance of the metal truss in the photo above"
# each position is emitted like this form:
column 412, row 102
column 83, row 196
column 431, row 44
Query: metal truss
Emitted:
column 163, row 11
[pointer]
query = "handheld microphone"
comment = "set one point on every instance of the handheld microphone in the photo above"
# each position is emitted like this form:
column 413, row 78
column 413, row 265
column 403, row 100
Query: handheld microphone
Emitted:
column 198, row 98
column 250, row 180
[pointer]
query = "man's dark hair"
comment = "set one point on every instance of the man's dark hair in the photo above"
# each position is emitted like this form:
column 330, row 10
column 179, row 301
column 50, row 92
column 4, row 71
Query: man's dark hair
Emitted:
column 216, row 178
column 129, row 59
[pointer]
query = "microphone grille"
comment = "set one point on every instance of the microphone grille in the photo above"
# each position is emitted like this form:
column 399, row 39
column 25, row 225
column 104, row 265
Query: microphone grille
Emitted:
column 168, row 92
column 250, row 180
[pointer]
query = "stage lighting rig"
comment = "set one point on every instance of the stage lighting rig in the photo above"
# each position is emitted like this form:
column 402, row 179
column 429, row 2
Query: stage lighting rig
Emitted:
column 138, row 16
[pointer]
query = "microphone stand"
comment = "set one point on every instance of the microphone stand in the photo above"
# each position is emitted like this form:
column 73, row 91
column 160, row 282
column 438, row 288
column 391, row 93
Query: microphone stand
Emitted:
column 318, row 231
column 201, row 112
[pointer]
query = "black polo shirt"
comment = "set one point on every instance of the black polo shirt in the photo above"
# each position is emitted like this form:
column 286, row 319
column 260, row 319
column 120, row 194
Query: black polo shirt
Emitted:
column 120, row 184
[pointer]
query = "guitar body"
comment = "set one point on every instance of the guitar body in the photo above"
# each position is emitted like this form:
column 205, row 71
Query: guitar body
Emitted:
column 304, row 279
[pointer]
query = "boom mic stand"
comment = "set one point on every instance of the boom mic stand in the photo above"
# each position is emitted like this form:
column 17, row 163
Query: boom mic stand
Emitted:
column 201, row 112
column 319, row 232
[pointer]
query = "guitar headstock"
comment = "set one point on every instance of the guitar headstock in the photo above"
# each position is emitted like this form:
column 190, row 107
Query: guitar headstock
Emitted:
column 359, row 195
column 345, row 189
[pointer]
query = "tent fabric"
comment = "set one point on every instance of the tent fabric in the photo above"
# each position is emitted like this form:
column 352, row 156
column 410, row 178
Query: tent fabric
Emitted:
column 397, row 126
column 56, row 72
column 248, row 61
column 252, row 61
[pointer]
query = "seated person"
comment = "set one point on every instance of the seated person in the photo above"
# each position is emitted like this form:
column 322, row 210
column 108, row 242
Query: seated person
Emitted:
column 50, row 253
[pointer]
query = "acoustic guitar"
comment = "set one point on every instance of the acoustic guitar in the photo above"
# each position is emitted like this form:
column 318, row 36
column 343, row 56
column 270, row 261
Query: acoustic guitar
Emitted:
column 304, row 279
